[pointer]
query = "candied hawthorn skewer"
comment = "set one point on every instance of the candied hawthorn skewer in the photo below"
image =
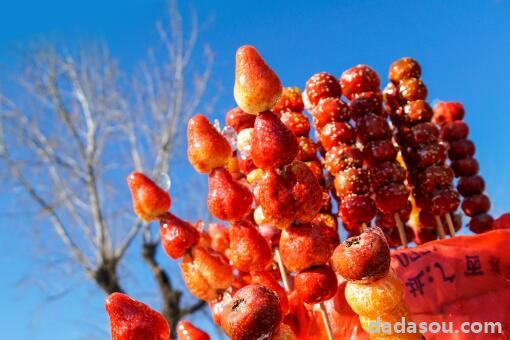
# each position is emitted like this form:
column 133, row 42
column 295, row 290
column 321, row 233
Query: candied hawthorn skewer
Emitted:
column 423, row 153
column 372, row 290
column 461, row 151
column 343, row 159
column 187, row 331
column 360, row 85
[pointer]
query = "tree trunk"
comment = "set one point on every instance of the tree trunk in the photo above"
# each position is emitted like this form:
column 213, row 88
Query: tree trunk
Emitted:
column 106, row 277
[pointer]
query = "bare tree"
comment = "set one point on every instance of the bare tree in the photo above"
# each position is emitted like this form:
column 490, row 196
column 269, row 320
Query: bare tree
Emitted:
column 80, row 125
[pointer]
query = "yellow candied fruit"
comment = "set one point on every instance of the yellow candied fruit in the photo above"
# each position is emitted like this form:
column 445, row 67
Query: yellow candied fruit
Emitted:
column 375, row 298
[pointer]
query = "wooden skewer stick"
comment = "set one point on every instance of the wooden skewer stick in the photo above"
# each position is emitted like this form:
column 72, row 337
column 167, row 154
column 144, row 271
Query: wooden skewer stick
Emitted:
column 325, row 319
column 401, row 229
column 283, row 273
column 439, row 228
column 449, row 221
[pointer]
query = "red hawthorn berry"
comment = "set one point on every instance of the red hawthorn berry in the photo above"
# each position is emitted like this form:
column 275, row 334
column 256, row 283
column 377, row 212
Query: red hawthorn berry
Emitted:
column 332, row 109
column 404, row 68
column 290, row 101
column 177, row 236
column 448, row 112
column 319, row 86
column 187, row 331
column 359, row 79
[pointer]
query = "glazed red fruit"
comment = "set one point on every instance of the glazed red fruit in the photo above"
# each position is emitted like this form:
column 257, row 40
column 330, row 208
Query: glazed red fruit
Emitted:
column 461, row 149
column 412, row 89
column 267, row 280
column 321, row 85
column 476, row 204
column 343, row 156
column 424, row 133
column 316, row 168
column 393, row 236
column 336, row 133
column 187, row 331
column 239, row 120
column 365, row 103
column 177, row 236
column 430, row 154
column 404, row 68
column 427, row 219
column 220, row 239
column 290, row 101
column 257, row 87
column 391, row 104
column 289, row 194
column 149, row 200
column 228, row 199
column 254, row 313
column 418, row 111
column 391, row 197
column 448, row 112
column 443, row 201
column 364, row 258
column 316, row 284
column 352, row 181
column 249, row 251
column 329, row 110
column 207, row 148
column 304, row 245
column 273, row 144
column 296, row 122
column 307, row 149
column 481, row 223
column 425, row 234
column 372, row 127
column 471, row 185
column 386, row 172
column 270, row 234
column 359, row 79
column 387, row 221
column 379, row 151
column 357, row 209
column 465, row 167
column 434, row 177
column 454, row 131
column 131, row 319
column 246, row 164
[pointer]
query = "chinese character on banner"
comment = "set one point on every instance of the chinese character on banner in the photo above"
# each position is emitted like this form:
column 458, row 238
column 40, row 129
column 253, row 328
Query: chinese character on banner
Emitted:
column 473, row 266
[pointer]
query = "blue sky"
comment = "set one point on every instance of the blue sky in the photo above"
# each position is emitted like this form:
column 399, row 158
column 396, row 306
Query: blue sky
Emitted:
column 463, row 46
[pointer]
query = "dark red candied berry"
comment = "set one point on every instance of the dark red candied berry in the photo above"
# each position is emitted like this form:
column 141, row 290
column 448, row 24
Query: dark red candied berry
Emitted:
column 430, row 154
column 357, row 209
column 426, row 219
column 425, row 234
column 454, row 131
column 372, row 127
column 322, row 85
column 379, row 151
column 393, row 236
column 434, row 177
column 343, row 156
column 359, row 79
column 424, row 133
column 307, row 149
column 333, row 134
column 442, row 202
column 391, row 197
column 481, row 223
column 367, row 102
column 330, row 110
column 418, row 111
column 387, row 221
column 239, row 120
column 411, row 89
column 296, row 122
column 448, row 112
column 404, row 68
column 404, row 136
column 316, row 284
column 386, row 172
column 476, row 204
column 352, row 181
column 460, row 149
column 465, row 167
column 471, row 185
column 390, row 99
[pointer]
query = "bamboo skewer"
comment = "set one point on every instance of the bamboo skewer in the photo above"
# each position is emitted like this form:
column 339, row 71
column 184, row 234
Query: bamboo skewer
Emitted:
column 401, row 229
column 283, row 273
column 325, row 319
column 451, row 227
column 439, row 228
